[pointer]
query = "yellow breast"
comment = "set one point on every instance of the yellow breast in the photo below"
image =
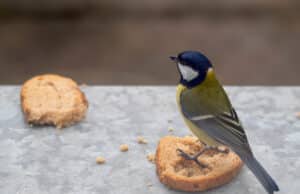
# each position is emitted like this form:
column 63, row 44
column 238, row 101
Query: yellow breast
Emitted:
column 202, row 135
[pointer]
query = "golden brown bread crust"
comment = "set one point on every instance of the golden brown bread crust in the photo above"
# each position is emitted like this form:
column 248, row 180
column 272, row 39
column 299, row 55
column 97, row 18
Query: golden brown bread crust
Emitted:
column 178, row 173
column 53, row 100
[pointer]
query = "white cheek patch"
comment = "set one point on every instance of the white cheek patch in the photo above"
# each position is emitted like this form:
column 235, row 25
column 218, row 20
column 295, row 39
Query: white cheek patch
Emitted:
column 187, row 73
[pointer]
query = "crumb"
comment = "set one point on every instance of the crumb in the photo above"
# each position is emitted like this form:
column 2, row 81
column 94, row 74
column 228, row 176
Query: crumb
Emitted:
column 124, row 148
column 100, row 160
column 170, row 129
column 83, row 85
column 298, row 114
column 59, row 126
column 141, row 140
column 151, row 158
column 169, row 121
column 190, row 135
column 223, row 149
column 149, row 184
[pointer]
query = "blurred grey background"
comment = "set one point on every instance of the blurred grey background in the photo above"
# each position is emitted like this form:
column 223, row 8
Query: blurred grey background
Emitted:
column 128, row 42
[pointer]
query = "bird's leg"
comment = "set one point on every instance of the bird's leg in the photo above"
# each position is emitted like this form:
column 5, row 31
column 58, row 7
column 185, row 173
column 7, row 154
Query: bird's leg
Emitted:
column 195, row 157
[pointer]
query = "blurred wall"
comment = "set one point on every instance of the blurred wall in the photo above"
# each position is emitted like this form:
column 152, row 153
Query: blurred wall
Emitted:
column 128, row 42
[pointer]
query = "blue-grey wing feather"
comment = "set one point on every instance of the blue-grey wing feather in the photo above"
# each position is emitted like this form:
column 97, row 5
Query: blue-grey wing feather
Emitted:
column 223, row 125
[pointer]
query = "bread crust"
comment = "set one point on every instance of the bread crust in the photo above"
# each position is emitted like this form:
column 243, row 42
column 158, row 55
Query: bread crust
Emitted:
column 52, row 100
column 180, row 174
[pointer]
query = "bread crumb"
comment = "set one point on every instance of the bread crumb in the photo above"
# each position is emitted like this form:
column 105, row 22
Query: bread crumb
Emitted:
column 189, row 135
column 141, row 140
column 149, row 184
column 151, row 157
column 100, row 160
column 170, row 129
column 298, row 114
column 124, row 148
column 83, row 85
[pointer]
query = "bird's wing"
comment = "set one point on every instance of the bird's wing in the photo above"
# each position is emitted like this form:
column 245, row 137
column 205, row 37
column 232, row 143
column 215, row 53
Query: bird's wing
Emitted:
column 212, row 112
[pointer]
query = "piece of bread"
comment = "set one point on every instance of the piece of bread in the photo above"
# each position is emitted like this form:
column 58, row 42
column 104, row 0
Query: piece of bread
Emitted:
column 53, row 100
column 178, row 173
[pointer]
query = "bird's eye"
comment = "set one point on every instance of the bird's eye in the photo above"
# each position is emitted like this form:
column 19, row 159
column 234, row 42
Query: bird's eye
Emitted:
column 183, row 62
column 193, row 66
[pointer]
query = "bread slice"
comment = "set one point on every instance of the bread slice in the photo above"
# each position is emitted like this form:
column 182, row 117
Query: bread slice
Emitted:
column 53, row 100
column 178, row 173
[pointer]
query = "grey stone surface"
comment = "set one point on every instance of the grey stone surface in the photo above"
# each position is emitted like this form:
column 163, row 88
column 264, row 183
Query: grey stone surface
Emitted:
column 45, row 160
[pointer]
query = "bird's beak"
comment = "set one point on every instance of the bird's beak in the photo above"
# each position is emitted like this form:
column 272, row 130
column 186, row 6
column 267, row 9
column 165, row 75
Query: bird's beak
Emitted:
column 174, row 59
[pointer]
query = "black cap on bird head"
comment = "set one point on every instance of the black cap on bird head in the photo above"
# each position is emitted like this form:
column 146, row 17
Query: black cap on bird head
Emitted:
column 193, row 67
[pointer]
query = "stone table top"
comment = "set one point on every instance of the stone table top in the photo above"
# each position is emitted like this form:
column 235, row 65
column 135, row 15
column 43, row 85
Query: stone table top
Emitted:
column 45, row 160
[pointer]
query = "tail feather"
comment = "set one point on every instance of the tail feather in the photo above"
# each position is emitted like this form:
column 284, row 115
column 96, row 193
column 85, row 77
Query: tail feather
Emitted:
column 261, row 174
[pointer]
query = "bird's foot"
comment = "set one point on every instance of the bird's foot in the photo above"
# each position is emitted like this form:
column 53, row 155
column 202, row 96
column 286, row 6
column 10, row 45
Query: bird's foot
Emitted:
column 194, row 157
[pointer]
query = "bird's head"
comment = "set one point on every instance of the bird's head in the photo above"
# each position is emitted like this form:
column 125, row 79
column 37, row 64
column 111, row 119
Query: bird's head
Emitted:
column 192, row 66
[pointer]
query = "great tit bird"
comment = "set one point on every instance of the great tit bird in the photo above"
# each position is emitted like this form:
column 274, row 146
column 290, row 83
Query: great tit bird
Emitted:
column 208, row 113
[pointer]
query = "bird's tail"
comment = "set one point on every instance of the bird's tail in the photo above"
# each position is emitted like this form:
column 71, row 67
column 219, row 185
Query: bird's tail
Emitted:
column 261, row 174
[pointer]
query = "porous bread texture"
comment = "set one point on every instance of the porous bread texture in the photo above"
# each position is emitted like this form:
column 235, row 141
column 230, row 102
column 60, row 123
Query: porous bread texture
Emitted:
column 178, row 173
column 53, row 100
